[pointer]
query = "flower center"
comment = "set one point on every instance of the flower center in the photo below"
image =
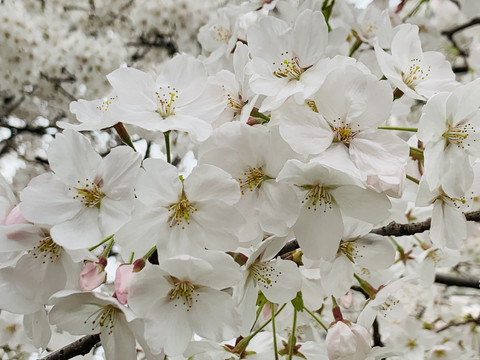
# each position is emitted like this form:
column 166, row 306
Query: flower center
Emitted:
column 166, row 101
column 103, row 107
column 90, row 195
column 252, row 179
column 415, row 73
column 343, row 132
column 47, row 249
column 185, row 292
column 235, row 103
column 459, row 133
column 317, row 195
column 388, row 305
column 104, row 318
column 350, row 250
column 288, row 67
column 221, row 34
column 264, row 274
column 180, row 211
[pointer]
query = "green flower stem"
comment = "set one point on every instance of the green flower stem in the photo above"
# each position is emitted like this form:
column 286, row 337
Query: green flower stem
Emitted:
column 412, row 179
column 149, row 253
column 131, row 257
column 397, row 128
column 167, row 145
column 100, row 243
column 242, row 345
column 292, row 336
column 358, row 42
column 107, row 249
column 316, row 319
column 272, row 309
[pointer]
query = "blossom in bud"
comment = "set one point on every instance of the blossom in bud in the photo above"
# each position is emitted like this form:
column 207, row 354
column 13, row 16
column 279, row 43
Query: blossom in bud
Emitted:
column 93, row 274
column 123, row 277
column 347, row 342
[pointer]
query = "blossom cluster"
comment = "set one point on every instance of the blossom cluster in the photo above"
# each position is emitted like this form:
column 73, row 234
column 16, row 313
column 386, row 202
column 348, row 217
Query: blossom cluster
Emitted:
column 299, row 117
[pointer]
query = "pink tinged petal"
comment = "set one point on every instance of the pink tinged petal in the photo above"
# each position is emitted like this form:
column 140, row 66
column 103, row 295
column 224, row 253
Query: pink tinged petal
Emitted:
column 208, row 182
column 279, row 207
column 14, row 217
column 214, row 316
column 362, row 204
column 47, row 200
column 158, row 184
column 80, row 232
column 341, row 342
column 120, row 343
column 187, row 74
column 119, row 171
column 19, row 237
column 72, row 148
column 134, row 87
column 145, row 230
column 123, row 278
column 92, row 276
column 311, row 35
column 449, row 226
column 280, row 280
column 304, row 130
column 319, row 232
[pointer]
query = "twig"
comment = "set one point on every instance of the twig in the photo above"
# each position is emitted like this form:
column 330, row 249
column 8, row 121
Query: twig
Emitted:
column 468, row 321
column 456, row 281
column 80, row 347
column 449, row 33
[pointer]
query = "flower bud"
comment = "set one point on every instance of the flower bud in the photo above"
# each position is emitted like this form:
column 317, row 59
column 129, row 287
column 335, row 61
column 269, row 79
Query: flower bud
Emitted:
column 93, row 274
column 346, row 342
column 123, row 276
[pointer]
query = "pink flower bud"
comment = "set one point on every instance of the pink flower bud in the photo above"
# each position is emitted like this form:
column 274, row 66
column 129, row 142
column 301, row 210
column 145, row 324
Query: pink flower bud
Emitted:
column 93, row 274
column 15, row 217
column 346, row 342
column 123, row 276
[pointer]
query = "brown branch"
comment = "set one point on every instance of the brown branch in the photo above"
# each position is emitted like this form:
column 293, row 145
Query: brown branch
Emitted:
column 467, row 321
column 392, row 229
column 80, row 347
column 456, row 281
column 450, row 33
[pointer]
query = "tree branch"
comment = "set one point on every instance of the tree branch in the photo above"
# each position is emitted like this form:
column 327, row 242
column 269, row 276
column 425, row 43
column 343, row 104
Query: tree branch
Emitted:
column 450, row 33
column 392, row 229
column 80, row 347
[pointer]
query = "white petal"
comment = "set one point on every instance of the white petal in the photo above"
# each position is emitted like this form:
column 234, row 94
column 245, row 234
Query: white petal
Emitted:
column 72, row 157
